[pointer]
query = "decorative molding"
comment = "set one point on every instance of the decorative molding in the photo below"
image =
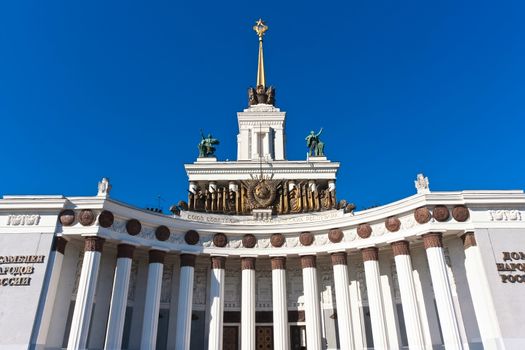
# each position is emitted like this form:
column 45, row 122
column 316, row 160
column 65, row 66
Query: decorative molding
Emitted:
column 162, row 233
column 191, row 237
column 364, row 230
column 441, row 213
column 469, row 240
column 335, row 235
column 125, row 251
column 187, row 260
column 308, row 261
column 422, row 215
column 263, row 243
column 133, row 227
column 249, row 241
column 220, row 240
column 278, row 263
column 460, row 213
column 247, row 263
column 392, row 224
column 66, row 217
column 86, row 217
column 400, row 248
column 433, row 240
column 306, row 238
column 156, row 256
column 23, row 220
column 94, row 244
column 505, row 215
column 339, row 258
column 218, row 262
column 370, row 254
column 277, row 240
column 106, row 219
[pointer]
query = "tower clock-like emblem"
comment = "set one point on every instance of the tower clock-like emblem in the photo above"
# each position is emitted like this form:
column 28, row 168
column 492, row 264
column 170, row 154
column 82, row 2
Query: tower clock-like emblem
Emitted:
column 261, row 193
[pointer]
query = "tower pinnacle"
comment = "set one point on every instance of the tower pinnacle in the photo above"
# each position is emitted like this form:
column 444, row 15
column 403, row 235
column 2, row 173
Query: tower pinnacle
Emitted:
column 260, row 28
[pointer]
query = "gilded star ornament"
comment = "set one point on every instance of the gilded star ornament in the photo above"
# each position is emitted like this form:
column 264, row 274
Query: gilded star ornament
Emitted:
column 260, row 27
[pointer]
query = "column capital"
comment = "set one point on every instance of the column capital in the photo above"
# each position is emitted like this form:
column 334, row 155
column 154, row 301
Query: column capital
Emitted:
column 156, row 256
column 469, row 240
column 308, row 261
column 94, row 244
column 370, row 254
column 339, row 258
column 400, row 248
column 278, row 262
column 248, row 263
column 125, row 251
column 433, row 240
column 187, row 260
column 59, row 245
column 218, row 262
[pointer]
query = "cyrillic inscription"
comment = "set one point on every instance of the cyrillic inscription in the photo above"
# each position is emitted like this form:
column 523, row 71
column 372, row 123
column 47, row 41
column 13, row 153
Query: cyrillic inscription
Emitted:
column 11, row 276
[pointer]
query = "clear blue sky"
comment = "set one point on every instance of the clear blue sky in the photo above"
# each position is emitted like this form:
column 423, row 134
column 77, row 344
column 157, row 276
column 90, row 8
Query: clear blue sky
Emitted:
column 122, row 88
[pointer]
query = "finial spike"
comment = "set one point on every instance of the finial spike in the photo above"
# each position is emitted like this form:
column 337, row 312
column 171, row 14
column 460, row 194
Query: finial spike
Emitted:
column 260, row 28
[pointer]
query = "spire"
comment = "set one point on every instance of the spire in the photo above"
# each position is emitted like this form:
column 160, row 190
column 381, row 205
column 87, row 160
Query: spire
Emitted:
column 260, row 28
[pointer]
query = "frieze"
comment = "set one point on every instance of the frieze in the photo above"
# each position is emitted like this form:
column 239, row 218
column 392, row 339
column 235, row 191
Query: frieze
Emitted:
column 505, row 215
column 279, row 219
column 263, row 243
column 23, row 220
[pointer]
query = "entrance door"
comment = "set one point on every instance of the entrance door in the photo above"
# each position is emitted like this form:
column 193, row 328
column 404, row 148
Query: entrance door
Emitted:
column 230, row 338
column 298, row 337
column 264, row 338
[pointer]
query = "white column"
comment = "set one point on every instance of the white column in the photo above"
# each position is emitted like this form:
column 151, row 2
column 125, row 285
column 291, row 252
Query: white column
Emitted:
column 342, row 298
column 442, row 293
column 55, row 266
column 119, row 297
column 248, row 303
column 187, row 270
column 152, row 303
column 375, row 302
column 416, row 339
column 281, row 337
column 85, row 293
column 482, row 301
column 216, row 302
column 312, row 310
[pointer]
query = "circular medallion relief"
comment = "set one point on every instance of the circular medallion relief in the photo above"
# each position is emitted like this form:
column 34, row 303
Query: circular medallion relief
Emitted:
column 277, row 240
column 422, row 215
column 306, row 238
column 162, row 233
column 191, row 237
column 106, row 218
column 364, row 230
column 460, row 213
column 441, row 213
column 335, row 235
column 86, row 217
column 220, row 240
column 392, row 224
column 249, row 241
column 133, row 227
column 67, row 217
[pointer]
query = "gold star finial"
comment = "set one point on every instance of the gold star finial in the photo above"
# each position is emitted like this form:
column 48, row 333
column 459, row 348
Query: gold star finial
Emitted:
column 260, row 28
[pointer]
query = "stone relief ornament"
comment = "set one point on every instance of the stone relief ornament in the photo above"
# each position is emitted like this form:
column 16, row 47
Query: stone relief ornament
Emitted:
column 106, row 219
column 408, row 222
column 263, row 243
column 104, row 187
column 25, row 220
column 505, row 215
column 460, row 213
column 261, row 193
column 306, row 238
column 335, row 235
column 133, row 227
column 364, row 230
column 249, row 241
column 392, row 224
column 277, row 240
column 292, row 241
column 191, row 237
column 86, row 217
column 350, row 235
column 378, row 229
column 422, row 215
column 220, row 240
column 235, row 243
column 440, row 213
column 422, row 184
column 66, row 217
column 162, row 233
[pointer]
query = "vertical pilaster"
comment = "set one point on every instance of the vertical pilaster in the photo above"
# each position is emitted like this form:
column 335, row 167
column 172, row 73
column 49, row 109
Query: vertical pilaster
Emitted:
column 119, row 297
column 187, row 271
column 55, row 266
column 152, row 303
column 311, row 302
column 407, row 290
column 375, row 302
column 248, row 303
column 86, row 293
column 445, row 305
column 281, row 337
column 482, row 301
column 342, row 298
column 216, row 302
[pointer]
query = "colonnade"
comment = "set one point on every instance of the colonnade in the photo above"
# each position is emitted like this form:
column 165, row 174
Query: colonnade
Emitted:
column 412, row 316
